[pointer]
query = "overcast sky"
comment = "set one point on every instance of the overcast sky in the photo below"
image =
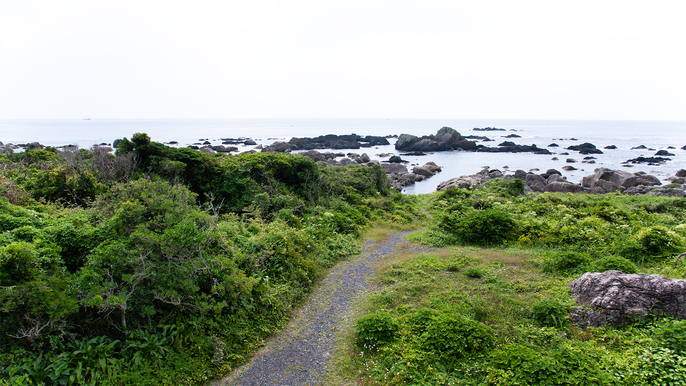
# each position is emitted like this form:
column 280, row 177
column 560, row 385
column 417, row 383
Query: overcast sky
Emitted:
column 343, row 59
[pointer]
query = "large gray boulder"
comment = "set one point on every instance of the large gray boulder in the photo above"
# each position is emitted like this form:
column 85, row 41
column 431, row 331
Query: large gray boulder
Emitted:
column 646, row 179
column 615, row 298
column 563, row 187
column 607, row 179
column 445, row 139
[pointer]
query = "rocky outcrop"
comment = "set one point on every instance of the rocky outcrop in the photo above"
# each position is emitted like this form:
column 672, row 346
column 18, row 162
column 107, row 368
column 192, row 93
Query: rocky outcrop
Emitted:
column 563, row 187
column 601, row 182
column 330, row 141
column 586, row 148
column 606, row 179
column 511, row 147
column 488, row 129
column 445, row 139
column 615, row 298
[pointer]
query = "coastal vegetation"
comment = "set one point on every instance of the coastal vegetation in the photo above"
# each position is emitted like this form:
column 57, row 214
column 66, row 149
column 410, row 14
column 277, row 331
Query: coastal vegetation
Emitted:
column 169, row 266
column 490, row 305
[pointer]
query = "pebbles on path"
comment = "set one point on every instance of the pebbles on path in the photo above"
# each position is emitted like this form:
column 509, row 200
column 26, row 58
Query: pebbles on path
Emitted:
column 299, row 355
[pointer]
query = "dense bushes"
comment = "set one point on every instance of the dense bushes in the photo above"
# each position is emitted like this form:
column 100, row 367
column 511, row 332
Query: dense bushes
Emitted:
column 166, row 266
column 587, row 228
column 517, row 296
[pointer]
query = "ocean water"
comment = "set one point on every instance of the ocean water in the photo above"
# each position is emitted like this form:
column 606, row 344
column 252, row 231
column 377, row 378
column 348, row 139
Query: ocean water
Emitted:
column 655, row 135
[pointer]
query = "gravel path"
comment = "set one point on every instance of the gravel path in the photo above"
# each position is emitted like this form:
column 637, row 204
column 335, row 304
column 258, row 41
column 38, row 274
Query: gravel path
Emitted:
column 299, row 355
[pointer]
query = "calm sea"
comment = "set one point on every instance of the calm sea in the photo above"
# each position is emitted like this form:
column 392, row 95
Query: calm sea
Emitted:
column 655, row 135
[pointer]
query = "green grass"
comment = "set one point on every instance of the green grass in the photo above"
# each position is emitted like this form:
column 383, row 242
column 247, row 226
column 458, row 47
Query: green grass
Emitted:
column 520, row 307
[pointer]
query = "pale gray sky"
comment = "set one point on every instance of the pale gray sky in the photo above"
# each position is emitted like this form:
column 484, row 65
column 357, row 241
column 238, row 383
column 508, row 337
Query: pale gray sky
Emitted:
column 338, row 59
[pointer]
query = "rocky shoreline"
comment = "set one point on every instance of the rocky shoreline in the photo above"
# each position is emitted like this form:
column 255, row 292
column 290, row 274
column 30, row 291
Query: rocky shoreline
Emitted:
column 602, row 181
column 402, row 174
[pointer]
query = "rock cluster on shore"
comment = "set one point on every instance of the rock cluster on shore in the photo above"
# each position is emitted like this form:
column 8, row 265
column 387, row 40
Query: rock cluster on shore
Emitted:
column 397, row 172
column 447, row 139
column 602, row 181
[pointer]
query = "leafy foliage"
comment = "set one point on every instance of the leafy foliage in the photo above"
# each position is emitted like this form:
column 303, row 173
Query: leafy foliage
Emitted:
column 163, row 265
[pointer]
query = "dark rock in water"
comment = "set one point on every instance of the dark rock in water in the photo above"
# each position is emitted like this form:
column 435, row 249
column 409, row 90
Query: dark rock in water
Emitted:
column 173, row 142
column 488, row 129
column 565, row 153
column 568, row 168
column 573, row 139
column 478, row 138
column 396, row 159
column 394, row 168
column 513, row 136
column 414, row 153
column 422, row 171
column 552, row 171
column 570, row 160
column 589, row 157
column 553, row 145
column 445, row 139
column 610, row 147
column 648, row 160
column 207, row 143
column 639, row 147
column 332, row 141
column 586, row 148
column 683, row 148
column 511, row 147
column 194, row 147
column 249, row 142
column 615, row 298
column 116, row 143
column 671, row 147
column 665, row 153
column 681, row 173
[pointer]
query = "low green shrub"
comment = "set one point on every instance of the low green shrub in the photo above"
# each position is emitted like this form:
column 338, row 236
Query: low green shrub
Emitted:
column 550, row 313
column 672, row 335
column 515, row 364
column 482, row 227
column 453, row 336
column 617, row 263
column 567, row 262
column 375, row 330
column 652, row 243
column 475, row 273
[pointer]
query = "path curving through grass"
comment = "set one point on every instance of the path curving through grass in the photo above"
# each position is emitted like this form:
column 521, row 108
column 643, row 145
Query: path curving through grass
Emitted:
column 301, row 352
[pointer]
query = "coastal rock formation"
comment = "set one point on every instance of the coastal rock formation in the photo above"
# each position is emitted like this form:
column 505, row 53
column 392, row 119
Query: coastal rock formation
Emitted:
column 445, row 139
column 615, row 298
column 586, row 148
column 602, row 181
column 648, row 160
column 330, row 141
column 511, row 147
column 488, row 129
column 606, row 179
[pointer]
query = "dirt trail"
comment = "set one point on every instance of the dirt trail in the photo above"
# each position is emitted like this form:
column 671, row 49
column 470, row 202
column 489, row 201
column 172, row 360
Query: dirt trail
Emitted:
column 299, row 355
